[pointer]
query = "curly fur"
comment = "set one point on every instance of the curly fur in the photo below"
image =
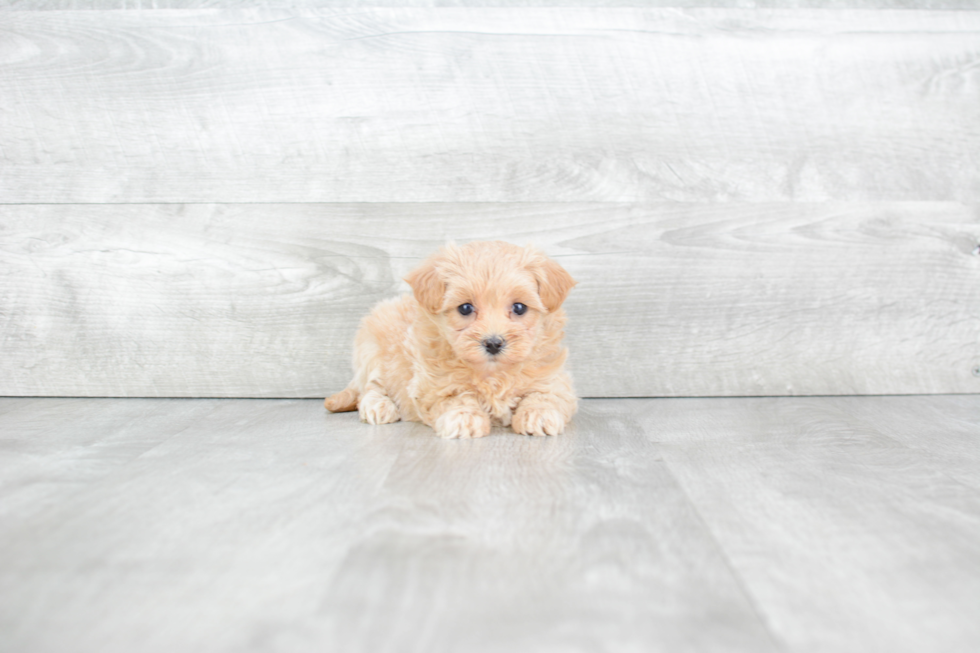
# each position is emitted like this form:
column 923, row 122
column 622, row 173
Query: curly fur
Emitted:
column 417, row 358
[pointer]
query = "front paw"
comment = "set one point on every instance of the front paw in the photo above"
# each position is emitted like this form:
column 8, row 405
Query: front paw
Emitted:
column 538, row 421
column 376, row 408
column 463, row 423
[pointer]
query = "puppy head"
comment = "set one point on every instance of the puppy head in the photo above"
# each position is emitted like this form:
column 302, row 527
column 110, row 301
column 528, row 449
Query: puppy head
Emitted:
column 488, row 298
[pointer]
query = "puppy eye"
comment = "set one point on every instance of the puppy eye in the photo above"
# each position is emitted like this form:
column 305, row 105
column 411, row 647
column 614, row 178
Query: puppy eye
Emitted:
column 465, row 309
column 519, row 308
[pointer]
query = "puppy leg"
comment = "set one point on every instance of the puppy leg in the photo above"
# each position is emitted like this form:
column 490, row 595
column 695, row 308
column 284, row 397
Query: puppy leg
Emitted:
column 375, row 407
column 542, row 413
column 460, row 417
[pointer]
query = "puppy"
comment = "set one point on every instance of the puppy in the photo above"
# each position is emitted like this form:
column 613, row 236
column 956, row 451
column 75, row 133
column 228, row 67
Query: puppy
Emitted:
column 477, row 343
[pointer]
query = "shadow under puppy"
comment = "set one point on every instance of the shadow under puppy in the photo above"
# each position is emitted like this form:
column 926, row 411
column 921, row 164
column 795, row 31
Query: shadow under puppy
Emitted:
column 477, row 343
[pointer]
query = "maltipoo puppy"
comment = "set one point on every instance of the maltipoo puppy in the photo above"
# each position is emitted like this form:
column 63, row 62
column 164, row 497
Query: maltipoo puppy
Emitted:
column 477, row 343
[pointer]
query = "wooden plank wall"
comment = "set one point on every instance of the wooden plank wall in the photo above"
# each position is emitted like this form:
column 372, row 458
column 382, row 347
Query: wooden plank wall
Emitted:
column 203, row 201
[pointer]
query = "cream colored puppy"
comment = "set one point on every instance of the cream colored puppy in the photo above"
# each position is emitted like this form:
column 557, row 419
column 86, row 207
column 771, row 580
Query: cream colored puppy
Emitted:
column 477, row 343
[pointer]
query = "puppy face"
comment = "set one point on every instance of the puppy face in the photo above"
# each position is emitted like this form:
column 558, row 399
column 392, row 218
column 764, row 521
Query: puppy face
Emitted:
column 488, row 299
column 492, row 321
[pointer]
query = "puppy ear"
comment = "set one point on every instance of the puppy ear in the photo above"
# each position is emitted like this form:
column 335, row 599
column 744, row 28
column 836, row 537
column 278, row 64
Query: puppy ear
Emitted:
column 554, row 282
column 427, row 285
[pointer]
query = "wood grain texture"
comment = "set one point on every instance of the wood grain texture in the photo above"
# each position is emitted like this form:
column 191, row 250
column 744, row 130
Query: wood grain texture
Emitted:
column 272, row 526
column 673, row 299
column 943, row 430
column 54, row 448
column 790, row 524
column 143, row 5
column 846, row 538
column 470, row 104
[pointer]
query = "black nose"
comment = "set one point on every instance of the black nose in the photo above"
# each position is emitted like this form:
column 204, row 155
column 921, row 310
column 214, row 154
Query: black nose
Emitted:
column 493, row 345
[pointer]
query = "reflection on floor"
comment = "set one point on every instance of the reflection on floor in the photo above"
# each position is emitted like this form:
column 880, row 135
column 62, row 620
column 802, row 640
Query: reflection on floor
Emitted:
column 792, row 524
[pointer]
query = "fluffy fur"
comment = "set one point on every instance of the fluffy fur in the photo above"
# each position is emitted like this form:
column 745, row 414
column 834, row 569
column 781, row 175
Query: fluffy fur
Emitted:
column 418, row 358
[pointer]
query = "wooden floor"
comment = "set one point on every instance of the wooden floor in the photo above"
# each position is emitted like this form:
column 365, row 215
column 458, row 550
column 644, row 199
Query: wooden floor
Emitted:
column 791, row 524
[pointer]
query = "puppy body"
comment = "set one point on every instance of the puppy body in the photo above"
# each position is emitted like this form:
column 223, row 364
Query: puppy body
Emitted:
column 477, row 343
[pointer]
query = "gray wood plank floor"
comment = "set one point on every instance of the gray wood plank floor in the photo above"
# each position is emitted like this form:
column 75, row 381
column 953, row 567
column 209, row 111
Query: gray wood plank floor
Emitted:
column 790, row 524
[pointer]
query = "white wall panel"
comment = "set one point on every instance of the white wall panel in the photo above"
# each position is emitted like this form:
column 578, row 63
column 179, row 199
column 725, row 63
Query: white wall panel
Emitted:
column 204, row 200
column 47, row 5
column 489, row 104
column 674, row 299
